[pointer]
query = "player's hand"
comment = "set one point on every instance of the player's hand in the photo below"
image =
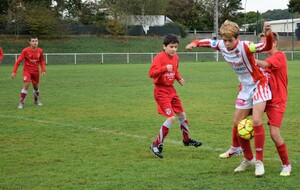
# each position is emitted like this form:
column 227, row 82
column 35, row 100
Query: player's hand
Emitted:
column 181, row 82
column 13, row 75
column 267, row 28
column 190, row 46
column 43, row 73
column 169, row 68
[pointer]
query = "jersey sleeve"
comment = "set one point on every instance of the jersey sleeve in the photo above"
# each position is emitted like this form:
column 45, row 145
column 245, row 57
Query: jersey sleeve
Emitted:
column 208, row 43
column 19, row 60
column 156, row 69
column 1, row 54
column 260, row 47
column 42, row 62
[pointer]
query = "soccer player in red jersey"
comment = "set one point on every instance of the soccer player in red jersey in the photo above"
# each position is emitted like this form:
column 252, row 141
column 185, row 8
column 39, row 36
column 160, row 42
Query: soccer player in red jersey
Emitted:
column 1, row 54
column 255, row 89
column 164, row 71
column 33, row 56
column 276, row 65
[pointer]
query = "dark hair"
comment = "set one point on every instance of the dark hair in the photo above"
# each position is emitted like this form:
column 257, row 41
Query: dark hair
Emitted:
column 33, row 37
column 170, row 39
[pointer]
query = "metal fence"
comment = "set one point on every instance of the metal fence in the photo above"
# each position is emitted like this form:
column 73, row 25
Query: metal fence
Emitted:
column 109, row 58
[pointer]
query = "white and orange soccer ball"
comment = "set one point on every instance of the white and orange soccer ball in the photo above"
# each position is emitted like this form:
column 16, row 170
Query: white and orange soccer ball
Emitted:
column 245, row 129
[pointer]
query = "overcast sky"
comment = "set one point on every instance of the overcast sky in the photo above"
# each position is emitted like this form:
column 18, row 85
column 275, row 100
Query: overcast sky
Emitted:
column 264, row 5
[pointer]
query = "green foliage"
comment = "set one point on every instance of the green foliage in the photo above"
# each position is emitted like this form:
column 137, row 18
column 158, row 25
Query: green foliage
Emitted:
column 294, row 6
column 41, row 20
column 97, row 122
column 115, row 27
column 276, row 14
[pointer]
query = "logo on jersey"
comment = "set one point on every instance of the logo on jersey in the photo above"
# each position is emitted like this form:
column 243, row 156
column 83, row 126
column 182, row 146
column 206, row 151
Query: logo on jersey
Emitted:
column 168, row 111
column 25, row 78
column 240, row 102
column 214, row 43
column 237, row 53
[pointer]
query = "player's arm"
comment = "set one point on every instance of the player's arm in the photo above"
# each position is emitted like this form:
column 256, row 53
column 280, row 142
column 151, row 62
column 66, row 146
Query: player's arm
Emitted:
column 1, row 54
column 16, row 66
column 262, row 64
column 267, row 45
column 208, row 43
column 42, row 63
column 156, row 70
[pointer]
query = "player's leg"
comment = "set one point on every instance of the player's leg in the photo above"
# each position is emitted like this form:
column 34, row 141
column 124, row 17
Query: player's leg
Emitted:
column 259, row 136
column 23, row 94
column 235, row 148
column 183, row 122
column 164, row 107
column 275, row 120
column 35, row 83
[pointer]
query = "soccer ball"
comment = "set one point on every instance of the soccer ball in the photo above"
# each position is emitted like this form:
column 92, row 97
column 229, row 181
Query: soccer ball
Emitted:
column 245, row 129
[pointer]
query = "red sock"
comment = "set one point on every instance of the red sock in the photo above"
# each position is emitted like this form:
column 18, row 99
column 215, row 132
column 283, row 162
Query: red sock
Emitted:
column 246, row 146
column 36, row 94
column 22, row 97
column 283, row 154
column 235, row 137
column 184, row 126
column 162, row 134
column 259, row 141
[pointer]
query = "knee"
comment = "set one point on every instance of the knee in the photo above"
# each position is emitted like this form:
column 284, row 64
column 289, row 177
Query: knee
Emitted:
column 172, row 119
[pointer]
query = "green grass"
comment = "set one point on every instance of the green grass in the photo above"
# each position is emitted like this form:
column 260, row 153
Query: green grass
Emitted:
column 97, row 122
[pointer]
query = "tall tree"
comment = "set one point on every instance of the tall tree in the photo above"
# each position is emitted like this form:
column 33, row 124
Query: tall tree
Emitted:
column 294, row 6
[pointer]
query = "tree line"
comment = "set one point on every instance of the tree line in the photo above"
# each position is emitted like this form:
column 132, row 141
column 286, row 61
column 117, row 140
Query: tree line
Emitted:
column 50, row 17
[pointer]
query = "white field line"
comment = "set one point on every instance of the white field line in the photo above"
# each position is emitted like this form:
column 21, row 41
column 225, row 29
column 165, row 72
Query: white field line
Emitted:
column 91, row 128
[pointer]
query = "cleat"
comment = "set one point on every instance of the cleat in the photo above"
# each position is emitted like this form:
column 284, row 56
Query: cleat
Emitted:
column 192, row 142
column 38, row 103
column 286, row 170
column 259, row 168
column 20, row 106
column 233, row 151
column 244, row 165
column 157, row 150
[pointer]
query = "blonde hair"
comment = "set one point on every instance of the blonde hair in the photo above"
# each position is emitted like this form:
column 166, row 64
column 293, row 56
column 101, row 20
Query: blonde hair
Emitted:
column 229, row 29
column 275, row 39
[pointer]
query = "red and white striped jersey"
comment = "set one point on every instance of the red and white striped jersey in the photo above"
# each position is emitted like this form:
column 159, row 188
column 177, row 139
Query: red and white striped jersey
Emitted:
column 241, row 58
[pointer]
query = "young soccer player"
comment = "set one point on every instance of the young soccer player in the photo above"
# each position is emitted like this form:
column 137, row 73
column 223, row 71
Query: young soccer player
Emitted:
column 255, row 90
column 164, row 71
column 276, row 66
column 33, row 56
column 1, row 54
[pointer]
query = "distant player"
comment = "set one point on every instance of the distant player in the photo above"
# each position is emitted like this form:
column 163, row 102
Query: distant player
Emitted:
column 164, row 71
column 1, row 54
column 255, row 89
column 33, row 56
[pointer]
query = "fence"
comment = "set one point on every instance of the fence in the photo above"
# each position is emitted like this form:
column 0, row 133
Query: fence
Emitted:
column 108, row 58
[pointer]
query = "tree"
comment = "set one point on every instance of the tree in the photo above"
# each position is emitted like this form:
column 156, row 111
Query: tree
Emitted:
column 184, row 12
column 41, row 20
column 294, row 6
column 15, row 17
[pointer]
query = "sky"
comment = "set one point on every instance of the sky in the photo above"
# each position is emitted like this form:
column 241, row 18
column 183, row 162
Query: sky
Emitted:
column 264, row 5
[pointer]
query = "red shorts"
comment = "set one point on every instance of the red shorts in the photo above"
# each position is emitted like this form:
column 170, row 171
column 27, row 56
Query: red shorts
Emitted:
column 275, row 116
column 167, row 101
column 33, row 77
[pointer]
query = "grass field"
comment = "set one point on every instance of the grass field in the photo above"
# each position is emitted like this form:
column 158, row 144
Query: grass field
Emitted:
column 97, row 122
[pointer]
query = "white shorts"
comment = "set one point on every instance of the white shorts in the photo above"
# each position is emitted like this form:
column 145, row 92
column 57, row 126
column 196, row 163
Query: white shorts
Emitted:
column 252, row 94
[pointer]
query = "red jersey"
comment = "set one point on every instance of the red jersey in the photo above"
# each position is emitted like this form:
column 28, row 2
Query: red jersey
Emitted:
column 158, row 70
column 1, row 54
column 33, row 58
column 278, row 80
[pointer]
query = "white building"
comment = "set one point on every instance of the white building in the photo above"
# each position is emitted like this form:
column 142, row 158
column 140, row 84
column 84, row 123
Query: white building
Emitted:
column 285, row 25
column 148, row 20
